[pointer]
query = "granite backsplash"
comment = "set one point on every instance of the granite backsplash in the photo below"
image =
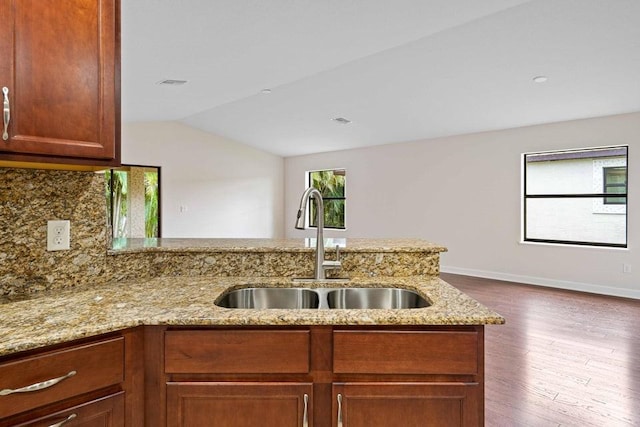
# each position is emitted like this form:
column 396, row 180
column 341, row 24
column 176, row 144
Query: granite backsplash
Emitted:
column 28, row 199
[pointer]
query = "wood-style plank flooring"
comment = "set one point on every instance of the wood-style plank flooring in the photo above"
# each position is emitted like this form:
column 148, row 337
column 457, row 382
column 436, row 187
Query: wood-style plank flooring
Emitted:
column 563, row 358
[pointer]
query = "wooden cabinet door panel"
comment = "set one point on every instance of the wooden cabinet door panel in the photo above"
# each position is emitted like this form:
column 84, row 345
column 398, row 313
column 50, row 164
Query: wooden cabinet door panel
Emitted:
column 237, row 404
column 61, row 66
column 406, row 404
column 405, row 352
column 104, row 412
column 237, row 351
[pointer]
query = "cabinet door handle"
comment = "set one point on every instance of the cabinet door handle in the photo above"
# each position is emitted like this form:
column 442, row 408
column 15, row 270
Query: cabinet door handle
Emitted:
column 63, row 422
column 305, row 414
column 7, row 113
column 339, row 410
column 37, row 386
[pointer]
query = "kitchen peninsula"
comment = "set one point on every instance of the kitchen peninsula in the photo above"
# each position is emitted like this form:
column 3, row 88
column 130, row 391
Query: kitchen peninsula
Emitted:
column 180, row 351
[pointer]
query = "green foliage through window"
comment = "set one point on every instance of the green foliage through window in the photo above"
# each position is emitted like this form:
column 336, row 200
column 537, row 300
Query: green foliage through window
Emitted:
column 119, row 197
column 331, row 184
column 117, row 205
column 151, row 204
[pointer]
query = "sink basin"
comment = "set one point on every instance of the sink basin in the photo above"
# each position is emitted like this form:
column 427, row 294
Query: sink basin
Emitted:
column 327, row 298
column 381, row 298
column 270, row 298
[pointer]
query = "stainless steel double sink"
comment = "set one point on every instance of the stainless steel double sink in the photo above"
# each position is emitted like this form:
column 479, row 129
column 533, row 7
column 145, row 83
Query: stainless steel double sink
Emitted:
column 330, row 298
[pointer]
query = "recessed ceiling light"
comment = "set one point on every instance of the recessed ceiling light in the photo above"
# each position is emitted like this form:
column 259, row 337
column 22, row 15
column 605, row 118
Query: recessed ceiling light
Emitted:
column 172, row 82
column 266, row 91
column 341, row 120
column 540, row 79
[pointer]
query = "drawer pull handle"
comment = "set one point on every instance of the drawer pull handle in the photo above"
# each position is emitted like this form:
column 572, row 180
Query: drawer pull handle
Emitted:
column 339, row 410
column 63, row 422
column 305, row 414
column 6, row 113
column 37, row 386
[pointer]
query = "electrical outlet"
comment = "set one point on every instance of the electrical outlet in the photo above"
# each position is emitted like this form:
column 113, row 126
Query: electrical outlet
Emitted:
column 626, row 268
column 58, row 235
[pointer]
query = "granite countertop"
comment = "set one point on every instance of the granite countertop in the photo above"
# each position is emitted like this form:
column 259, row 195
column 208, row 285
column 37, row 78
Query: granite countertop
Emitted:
column 123, row 246
column 47, row 319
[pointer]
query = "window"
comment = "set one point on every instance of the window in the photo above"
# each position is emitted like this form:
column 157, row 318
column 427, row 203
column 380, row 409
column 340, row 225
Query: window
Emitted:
column 615, row 182
column 133, row 201
column 565, row 197
column 331, row 184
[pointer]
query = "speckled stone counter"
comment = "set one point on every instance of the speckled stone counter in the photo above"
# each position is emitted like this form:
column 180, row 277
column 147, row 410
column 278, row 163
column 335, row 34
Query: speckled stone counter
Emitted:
column 52, row 318
column 177, row 281
column 177, row 245
column 147, row 258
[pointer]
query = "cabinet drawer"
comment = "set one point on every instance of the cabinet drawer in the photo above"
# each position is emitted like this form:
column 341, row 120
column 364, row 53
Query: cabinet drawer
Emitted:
column 96, row 365
column 237, row 351
column 106, row 412
column 405, row 352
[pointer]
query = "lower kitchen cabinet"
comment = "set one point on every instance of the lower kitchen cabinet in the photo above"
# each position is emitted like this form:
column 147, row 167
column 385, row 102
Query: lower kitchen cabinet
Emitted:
column 359, row 376
column 205, row 404
column 92, row 382
column 405, row 404
column 104, row 412
column 42, row 379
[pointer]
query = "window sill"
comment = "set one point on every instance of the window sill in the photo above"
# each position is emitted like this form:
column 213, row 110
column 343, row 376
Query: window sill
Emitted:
column 568, row 245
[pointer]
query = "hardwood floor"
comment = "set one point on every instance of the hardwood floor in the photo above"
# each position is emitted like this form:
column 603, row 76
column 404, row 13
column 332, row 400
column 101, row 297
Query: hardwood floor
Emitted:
column 563, row 358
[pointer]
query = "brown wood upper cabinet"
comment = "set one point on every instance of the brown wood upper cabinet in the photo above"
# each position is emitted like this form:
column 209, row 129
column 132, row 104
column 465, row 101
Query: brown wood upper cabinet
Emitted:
column 60, row 81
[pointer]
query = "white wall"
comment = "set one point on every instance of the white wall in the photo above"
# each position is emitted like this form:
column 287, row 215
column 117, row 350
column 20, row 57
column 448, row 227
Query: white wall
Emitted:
column 225, row 189
column 465, row 192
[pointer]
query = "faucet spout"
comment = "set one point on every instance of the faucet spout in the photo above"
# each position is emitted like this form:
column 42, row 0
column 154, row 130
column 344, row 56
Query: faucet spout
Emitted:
column 320, row 264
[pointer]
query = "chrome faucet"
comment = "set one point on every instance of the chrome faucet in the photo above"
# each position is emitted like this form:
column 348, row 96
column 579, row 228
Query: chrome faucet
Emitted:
column 321, row 265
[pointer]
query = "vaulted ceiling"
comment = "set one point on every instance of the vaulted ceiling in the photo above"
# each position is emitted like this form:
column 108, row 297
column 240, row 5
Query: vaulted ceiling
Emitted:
column 400, row 70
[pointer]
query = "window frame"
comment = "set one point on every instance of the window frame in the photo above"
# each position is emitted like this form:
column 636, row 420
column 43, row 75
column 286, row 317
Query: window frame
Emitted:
column 606, row 185
column 603, row 195
column 309, row 180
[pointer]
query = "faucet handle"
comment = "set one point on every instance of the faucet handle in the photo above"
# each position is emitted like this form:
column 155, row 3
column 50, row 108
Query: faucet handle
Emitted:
column 332, row 265
column 328, row 265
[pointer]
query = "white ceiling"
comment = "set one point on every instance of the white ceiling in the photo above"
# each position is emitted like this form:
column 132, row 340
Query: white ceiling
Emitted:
column 399, row 69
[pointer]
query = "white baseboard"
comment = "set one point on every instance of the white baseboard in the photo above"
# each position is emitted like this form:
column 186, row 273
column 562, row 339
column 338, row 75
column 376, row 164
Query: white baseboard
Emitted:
column 540, row 281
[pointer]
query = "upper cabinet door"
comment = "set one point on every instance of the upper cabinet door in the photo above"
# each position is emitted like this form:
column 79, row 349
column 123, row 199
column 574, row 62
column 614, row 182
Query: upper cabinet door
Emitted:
column 60, row 63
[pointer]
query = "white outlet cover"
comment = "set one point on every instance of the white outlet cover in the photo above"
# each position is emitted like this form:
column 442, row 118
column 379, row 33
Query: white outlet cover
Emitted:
column 58, row 235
